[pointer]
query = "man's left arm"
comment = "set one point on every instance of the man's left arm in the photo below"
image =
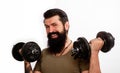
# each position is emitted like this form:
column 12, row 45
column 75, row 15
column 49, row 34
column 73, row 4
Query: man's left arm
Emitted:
column 95, row 44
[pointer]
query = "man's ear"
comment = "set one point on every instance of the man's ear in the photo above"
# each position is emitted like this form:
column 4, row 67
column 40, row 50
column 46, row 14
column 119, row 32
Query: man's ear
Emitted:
column 67, row 26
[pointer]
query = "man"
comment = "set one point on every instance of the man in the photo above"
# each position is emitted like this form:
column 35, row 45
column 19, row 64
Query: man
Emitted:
column 57, row 57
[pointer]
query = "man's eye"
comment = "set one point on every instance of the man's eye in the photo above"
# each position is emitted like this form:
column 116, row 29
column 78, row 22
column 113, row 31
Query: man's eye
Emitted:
column 54, row 24
column 46, row 26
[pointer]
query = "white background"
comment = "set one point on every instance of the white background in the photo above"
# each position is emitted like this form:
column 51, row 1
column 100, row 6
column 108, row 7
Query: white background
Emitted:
column 22, row 20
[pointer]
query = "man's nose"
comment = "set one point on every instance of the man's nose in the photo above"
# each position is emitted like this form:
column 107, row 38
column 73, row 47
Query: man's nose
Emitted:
column 51, row 29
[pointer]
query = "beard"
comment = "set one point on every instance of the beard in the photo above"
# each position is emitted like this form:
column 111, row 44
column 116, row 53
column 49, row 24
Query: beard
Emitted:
column 56, row 45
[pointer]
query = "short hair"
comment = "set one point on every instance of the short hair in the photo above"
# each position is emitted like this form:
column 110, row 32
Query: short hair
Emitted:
column 52, row 12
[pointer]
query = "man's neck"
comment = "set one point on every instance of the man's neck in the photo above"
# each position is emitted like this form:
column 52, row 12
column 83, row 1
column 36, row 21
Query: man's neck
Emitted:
column 66, row 48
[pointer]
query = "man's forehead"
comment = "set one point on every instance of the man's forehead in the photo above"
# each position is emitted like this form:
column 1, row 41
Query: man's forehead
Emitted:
column 51, row 20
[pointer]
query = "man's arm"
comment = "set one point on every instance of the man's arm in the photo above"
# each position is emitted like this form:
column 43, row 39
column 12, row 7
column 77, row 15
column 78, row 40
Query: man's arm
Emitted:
column 94, row 63
column 28, row 68
column 96, row 45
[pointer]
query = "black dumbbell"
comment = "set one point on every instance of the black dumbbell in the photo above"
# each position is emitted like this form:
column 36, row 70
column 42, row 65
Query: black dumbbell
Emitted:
column 29, row 51
column 81, row 47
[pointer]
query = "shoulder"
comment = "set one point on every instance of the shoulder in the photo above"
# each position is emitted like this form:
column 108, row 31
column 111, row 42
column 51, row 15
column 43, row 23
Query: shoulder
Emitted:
column 45, row 51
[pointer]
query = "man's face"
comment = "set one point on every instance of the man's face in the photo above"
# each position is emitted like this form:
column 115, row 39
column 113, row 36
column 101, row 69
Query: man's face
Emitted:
column 56, row 34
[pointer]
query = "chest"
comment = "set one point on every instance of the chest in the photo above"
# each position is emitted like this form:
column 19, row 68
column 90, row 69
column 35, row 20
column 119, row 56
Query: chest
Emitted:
column 61, row 64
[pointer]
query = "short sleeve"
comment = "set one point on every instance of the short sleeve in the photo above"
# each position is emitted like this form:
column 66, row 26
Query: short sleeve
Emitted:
column 84, row 65
column 38, row 65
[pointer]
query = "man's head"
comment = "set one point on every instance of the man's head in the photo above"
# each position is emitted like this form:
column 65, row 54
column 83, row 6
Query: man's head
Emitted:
column 57, row 26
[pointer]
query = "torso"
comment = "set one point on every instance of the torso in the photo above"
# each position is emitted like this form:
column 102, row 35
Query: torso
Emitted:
column 64, row 63
column 59, row 64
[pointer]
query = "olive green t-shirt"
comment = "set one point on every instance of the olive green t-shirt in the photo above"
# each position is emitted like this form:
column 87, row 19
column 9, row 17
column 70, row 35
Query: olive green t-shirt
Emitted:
column 60, row 64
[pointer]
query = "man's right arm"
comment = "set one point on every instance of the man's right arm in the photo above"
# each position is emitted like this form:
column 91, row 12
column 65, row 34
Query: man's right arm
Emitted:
column 28, row 68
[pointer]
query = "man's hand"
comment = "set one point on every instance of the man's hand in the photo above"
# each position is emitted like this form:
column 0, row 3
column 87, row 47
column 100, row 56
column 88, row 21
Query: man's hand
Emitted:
column 96, row 44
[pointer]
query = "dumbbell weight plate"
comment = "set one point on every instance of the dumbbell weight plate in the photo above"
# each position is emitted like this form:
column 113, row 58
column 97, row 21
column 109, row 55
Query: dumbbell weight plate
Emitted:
column 108, row 40
column 81, row 48
column 15, row 51
column 31, row 51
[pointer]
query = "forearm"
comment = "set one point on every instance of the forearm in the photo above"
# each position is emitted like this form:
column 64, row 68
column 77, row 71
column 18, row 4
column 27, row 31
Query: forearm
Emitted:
column 94, row 63
column 28, row 68
column 96, row 45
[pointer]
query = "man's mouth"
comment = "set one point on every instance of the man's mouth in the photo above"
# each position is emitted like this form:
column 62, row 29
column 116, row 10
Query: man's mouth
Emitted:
column 54, row 36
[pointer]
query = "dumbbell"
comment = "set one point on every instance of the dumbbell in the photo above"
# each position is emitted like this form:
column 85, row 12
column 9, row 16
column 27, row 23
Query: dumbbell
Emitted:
column 29, row 51
column 81, row 47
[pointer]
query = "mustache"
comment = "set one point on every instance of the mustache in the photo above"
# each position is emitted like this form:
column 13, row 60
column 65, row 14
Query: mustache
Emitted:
column 50, row 34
